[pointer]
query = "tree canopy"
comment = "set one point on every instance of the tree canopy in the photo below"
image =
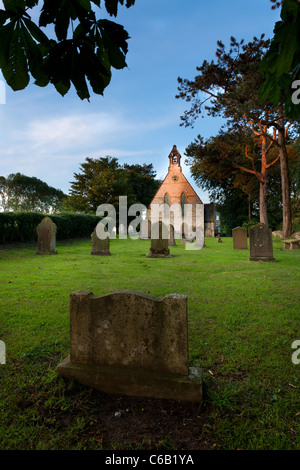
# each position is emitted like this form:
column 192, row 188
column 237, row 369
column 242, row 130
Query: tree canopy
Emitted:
column 67, row 45
column 227, row 87
column 281, row 64
column 104, row 180
column 19, row 192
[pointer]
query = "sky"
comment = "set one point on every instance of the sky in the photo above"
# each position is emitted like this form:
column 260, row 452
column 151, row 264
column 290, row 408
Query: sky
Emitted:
column 138, row 119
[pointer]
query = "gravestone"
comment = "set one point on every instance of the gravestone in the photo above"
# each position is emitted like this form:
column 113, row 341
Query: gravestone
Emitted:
column 131, row 343
column 159, row 241
column 100, row 246
column 145, row 229
column 260, row 241
column 46, row 231
column 239, row 238
column 171, row 241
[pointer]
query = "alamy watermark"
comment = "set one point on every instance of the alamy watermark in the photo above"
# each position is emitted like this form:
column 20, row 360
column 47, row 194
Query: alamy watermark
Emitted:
column 296, row 354
column 296, row 94
column 187, row 221
column 2, row 352
column 2, row 92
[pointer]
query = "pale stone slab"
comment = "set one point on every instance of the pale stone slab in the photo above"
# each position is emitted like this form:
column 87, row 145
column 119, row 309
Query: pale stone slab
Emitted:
column 100, row 246
column 46, row 231
column 239, row 238
column 130, row 329
column 131, row 343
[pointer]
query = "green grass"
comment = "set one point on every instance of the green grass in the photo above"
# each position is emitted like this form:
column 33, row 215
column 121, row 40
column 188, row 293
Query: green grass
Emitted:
column 243, row 319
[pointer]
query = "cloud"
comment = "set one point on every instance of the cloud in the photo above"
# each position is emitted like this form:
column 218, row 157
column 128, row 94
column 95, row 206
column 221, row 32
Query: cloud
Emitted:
column 52, row 147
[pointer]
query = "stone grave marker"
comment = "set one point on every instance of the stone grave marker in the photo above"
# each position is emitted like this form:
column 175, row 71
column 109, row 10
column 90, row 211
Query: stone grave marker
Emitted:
column 239, row 238
column 131, row 343
column 260, row 241
column 171, row 240
column 100, row 246
column 159, row 241
column 46, row 231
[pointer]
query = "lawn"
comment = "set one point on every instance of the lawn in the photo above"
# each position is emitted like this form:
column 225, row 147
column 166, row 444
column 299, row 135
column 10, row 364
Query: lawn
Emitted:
column 243, row 319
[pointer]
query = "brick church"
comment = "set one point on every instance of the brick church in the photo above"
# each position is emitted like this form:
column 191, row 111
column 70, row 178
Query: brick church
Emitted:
column 176, row 190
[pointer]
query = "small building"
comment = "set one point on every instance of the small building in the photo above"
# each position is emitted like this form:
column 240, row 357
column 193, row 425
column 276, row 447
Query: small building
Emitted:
column 179, row 202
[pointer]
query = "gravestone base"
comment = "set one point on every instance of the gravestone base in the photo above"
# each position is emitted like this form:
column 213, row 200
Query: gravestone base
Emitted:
column 262, row 258
column 158, row 255
column 101, row 252
column 115, row 380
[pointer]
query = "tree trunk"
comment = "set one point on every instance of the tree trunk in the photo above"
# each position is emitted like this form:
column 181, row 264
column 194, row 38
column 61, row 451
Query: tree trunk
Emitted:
column 263, row 208
column 285, row 182
column 263, row 183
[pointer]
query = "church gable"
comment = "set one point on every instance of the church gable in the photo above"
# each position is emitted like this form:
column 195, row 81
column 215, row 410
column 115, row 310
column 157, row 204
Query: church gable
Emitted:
column 175, row 188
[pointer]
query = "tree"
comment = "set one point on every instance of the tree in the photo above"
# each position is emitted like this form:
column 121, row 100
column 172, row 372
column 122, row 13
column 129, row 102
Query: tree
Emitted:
column 280, row 67
column 141, row 178
column 100, row 181
column 24, row 193
column 228, row 88
column 211, row 166
column 84, row 48
column 104, row 180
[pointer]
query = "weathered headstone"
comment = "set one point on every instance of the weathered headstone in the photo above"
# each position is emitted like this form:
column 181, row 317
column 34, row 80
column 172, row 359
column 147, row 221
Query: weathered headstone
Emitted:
column 159, row 241
column 171, row 241
column 260, row 241
column 100, row 241
column 239, row 238
column 133, row 344
column 46, row 231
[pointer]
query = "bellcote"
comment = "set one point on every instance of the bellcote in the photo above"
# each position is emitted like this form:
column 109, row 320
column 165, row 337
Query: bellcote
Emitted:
column 174, row 158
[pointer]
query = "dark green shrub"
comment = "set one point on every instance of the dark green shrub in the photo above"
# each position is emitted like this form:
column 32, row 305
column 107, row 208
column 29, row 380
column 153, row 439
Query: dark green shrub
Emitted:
column 21, row 226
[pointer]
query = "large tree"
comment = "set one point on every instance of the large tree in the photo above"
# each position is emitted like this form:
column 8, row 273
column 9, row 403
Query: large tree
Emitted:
column 68, row 44
column 228, row 88
column 142, row 180
column 104, row 180
column 281, row 64
column 19, row 192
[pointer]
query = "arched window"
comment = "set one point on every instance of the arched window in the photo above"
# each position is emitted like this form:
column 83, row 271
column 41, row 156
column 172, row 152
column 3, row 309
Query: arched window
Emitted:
column 167, row 203
column 182, row 203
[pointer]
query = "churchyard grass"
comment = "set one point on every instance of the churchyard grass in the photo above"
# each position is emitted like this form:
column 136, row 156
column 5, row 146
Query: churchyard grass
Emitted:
column 243, row 319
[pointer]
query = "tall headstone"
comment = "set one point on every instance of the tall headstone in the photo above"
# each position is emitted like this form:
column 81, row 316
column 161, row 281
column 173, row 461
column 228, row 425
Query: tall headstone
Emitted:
column 131, row 343
column 159, row 241
column 260, row 241
column 100, row 241
column 171, row 241
column 46, row 231
column 239, row 238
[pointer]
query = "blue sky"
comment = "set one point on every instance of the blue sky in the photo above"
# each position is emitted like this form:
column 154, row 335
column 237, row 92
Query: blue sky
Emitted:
column 137, row 120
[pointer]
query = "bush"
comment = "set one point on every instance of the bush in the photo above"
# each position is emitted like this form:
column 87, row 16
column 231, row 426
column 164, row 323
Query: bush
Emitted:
column 21, row 226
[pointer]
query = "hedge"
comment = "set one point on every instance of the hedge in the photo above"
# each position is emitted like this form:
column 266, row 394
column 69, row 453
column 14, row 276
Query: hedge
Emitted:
column 21, row 226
